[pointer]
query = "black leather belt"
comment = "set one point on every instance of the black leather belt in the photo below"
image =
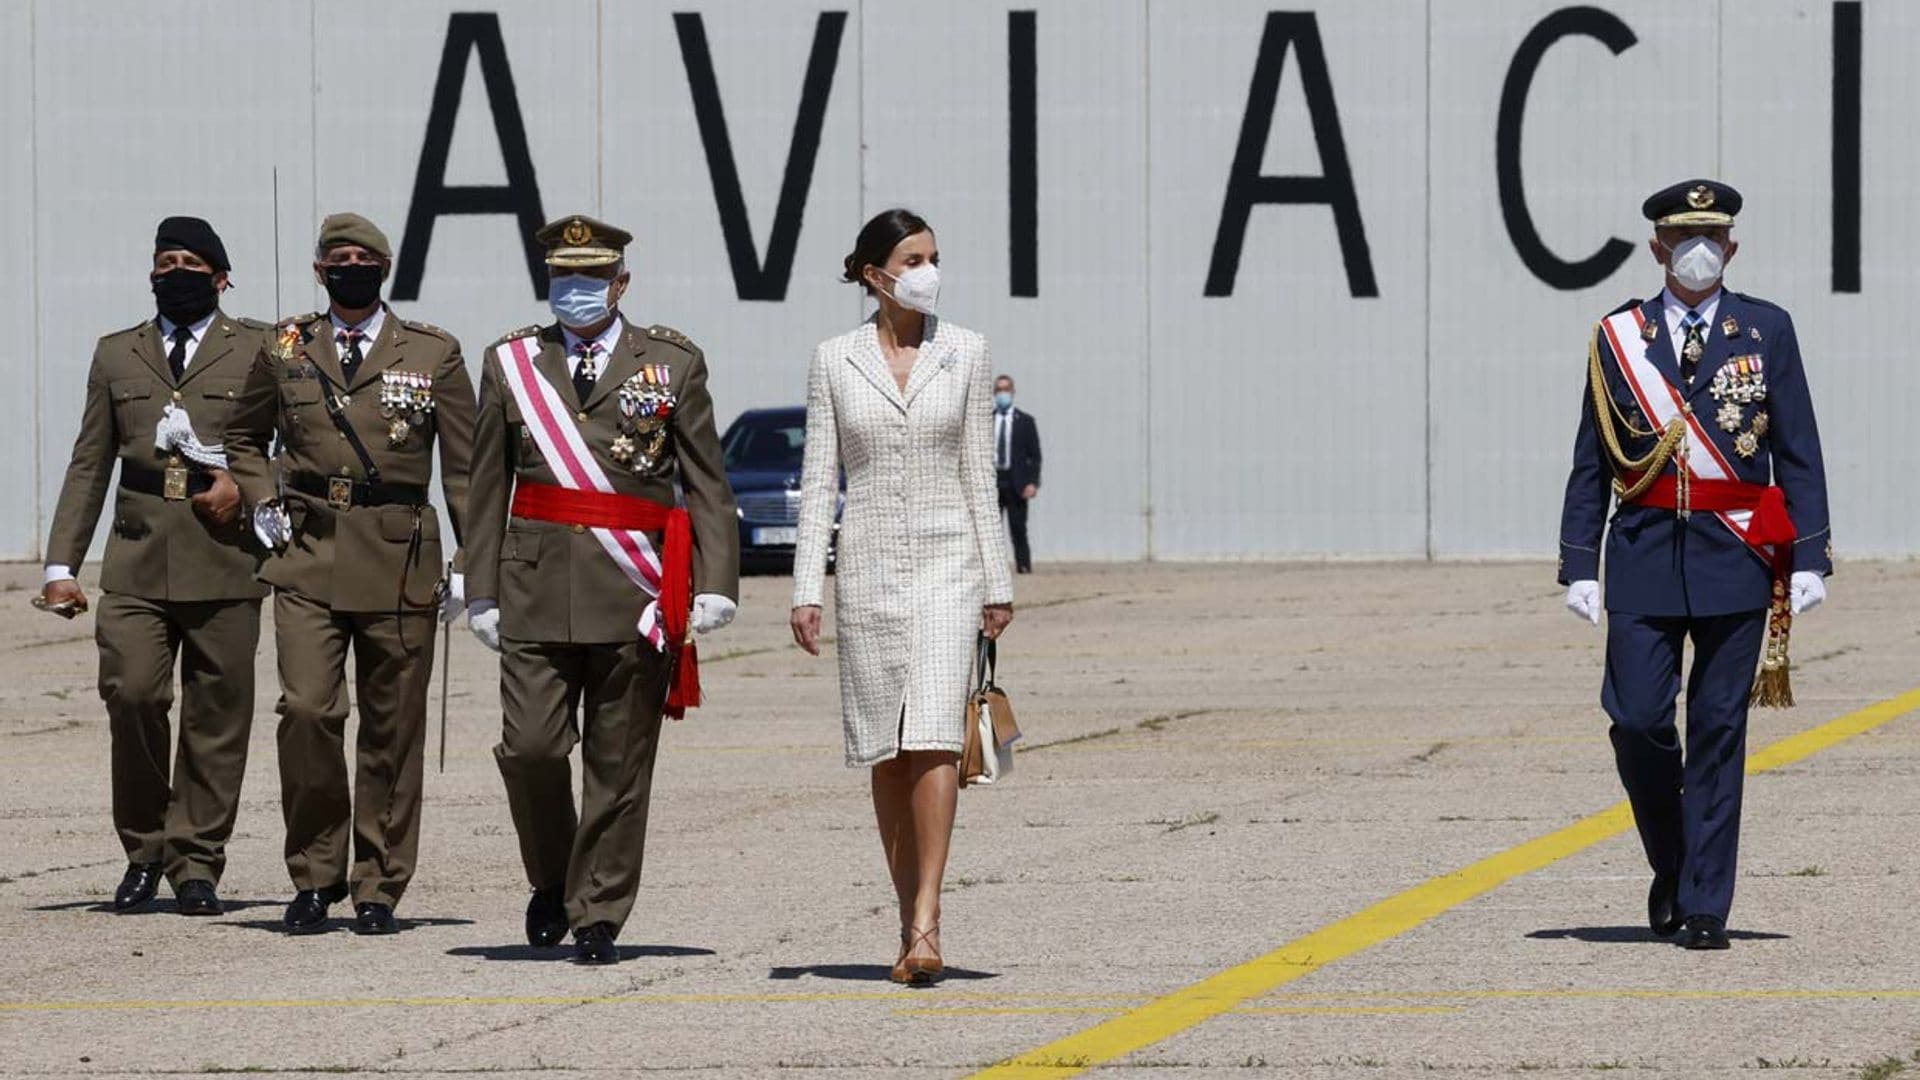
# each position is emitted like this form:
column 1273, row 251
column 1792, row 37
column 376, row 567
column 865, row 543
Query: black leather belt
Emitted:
column 151, row 481
column 344, row 492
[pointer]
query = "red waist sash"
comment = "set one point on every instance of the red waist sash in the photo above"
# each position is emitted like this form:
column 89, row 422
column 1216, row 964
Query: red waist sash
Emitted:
column 603, row 510
column 1770, row 525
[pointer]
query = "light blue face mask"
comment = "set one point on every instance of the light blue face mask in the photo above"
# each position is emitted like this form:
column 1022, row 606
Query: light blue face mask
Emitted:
column 1003, row 401
column 578, row 300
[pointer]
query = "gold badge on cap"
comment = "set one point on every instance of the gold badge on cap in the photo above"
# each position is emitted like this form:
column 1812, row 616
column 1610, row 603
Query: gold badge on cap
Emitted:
column 577, row 233
column 1701, row 197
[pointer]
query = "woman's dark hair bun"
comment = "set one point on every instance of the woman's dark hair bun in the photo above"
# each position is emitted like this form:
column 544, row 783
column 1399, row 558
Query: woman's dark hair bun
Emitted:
column 877, row 239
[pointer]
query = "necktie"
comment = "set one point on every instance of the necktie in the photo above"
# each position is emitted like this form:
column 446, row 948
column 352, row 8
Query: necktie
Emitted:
column 1696, row 344
column 351, row 355
column 1003, row 445
column 177, row 356
column 586, row 371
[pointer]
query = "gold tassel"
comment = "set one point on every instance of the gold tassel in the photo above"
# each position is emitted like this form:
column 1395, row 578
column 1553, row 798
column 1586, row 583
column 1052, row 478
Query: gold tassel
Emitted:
column 1773, row 689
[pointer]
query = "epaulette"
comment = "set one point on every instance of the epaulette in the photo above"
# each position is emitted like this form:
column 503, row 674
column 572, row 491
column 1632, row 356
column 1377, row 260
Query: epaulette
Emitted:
column 299, row 320
column 525, row 331
column 253, row 324
column 425, row 327
column 134, row 329
column 1758, row 302
column 669, row 334
column 1628, row 306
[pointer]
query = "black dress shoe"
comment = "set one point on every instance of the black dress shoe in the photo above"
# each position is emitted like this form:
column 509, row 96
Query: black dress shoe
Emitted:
column 308, row 912
column 137, row 887
column 594, row 945
column 1704, row 932
column 197, row 897
column 546, row 918
column 372, row 919
column 1663, row 906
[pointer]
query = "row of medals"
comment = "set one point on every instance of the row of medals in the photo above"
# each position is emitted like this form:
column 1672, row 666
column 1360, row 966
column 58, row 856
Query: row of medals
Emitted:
column 406, row 400
column 646, row 404
column 1740, row 382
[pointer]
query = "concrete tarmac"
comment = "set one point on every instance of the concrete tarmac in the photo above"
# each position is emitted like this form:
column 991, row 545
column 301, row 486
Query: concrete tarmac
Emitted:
column 1219, row 759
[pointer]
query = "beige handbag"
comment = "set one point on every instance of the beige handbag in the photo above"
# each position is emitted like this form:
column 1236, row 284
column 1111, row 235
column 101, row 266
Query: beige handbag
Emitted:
column 987, row 756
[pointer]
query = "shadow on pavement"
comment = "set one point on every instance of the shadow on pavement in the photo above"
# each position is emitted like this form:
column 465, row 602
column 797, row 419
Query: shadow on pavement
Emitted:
column 1632, row 935
column 340, row 925
column 864, row 972
column 564, row 951
column 155, row 907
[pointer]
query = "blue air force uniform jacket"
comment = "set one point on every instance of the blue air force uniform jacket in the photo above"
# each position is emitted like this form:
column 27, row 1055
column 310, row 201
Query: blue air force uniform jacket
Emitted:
column 1656, row 563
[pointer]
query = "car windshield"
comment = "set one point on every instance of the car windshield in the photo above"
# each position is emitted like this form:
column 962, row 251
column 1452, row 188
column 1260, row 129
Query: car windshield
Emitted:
column 766, row 443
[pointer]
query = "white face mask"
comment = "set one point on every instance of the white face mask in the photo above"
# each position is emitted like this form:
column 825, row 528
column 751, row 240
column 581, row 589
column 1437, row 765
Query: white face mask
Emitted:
column 1697, row 263
column 918, row 288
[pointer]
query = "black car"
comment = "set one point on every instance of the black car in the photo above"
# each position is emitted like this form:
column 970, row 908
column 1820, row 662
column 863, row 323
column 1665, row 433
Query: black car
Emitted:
column 764, row 448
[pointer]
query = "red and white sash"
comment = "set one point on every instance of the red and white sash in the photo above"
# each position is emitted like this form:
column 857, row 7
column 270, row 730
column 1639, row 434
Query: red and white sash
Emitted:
column 574, row 467
column 1662, row 403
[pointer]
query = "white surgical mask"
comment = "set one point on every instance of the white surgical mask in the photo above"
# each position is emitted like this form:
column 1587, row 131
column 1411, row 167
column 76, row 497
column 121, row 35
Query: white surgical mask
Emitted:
column 918, row 288
column 578, row 300
column 1697, row 263
column 1003, row 401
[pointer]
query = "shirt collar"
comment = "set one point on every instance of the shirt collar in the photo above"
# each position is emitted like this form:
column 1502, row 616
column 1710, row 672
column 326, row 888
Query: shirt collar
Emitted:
column 1676, row 308
column 197, row 330
column 607, row 340
column 369, row 328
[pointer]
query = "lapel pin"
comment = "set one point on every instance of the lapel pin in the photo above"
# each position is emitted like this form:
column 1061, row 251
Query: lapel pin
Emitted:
column 1651, row 330
column 1731, row 327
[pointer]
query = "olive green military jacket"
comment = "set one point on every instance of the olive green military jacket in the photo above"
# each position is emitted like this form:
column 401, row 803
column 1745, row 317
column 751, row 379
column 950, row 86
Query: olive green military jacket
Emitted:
column 159, row 548
column 554, row 582
column 411, row 392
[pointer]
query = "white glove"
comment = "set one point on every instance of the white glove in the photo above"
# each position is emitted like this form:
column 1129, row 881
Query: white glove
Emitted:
column 711, row 612
column 454, row 601
column 1805, row 591
column 483, row 618
column 1583, row 599
column 272, row 526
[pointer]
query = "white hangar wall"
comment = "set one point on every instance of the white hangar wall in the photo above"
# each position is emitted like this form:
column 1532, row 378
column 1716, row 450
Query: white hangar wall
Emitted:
column 1380, row 372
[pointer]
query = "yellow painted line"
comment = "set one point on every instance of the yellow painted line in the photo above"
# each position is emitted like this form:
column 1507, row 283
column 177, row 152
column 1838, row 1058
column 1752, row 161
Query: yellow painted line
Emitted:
column 1185, row 1008
column 1245, row 1010
column 1647, row 993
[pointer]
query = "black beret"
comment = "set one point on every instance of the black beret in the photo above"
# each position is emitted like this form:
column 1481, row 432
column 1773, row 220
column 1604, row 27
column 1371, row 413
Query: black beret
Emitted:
column 195, row 235
column 1693, row 202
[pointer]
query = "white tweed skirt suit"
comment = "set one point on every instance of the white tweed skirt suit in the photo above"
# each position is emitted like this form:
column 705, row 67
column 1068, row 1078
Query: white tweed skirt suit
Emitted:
column 921, row 545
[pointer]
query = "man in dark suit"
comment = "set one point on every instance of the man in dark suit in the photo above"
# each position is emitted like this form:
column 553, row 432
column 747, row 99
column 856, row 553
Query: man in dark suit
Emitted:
column 1016, row 456
column 1697, row 433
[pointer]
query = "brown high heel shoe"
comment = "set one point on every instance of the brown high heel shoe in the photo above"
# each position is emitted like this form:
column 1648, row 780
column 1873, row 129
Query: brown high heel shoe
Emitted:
column 920, row 971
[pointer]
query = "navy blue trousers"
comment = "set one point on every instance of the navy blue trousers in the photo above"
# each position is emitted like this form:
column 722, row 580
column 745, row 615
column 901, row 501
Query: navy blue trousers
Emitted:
column 1686, row 805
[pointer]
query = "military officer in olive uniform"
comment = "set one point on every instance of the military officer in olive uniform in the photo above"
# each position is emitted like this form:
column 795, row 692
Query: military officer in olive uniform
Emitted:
column 359, row 398
column 177, row 576
column 587, row 579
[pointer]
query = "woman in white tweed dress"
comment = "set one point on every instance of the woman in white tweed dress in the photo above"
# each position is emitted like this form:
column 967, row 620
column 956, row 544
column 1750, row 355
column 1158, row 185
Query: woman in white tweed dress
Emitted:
column 904, row 404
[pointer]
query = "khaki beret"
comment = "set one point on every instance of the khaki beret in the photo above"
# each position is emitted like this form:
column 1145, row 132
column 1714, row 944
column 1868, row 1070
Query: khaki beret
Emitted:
column 578, row 240
column 341, row 229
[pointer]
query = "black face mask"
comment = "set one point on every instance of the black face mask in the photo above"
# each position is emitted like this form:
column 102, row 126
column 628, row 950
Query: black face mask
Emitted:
column 354, row 286
column 184, row 297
